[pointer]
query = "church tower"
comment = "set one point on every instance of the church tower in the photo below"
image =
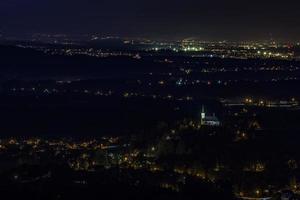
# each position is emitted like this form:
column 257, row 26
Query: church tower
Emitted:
column 202, row 115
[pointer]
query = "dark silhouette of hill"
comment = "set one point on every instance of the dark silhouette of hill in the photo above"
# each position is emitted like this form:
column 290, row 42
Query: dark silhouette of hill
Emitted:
column 18, row 63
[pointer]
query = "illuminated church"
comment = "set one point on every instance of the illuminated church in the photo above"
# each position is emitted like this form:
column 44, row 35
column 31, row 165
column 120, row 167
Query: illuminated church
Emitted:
column 207, row 120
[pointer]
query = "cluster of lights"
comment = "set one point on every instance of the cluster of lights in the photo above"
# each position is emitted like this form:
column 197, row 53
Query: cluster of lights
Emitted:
column 193, row 49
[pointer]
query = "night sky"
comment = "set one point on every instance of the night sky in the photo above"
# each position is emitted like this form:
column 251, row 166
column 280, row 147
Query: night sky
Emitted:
column 161, row 19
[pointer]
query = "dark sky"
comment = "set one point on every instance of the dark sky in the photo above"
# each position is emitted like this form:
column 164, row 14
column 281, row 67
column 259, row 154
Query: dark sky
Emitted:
column 204, row 19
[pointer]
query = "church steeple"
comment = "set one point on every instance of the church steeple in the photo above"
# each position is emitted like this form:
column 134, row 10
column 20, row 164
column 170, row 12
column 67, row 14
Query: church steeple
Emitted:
column 202, row 115
column 203, row 112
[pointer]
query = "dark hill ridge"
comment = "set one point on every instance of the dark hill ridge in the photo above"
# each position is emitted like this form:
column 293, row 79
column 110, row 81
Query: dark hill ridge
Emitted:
column 17, row 62
column 21, row 63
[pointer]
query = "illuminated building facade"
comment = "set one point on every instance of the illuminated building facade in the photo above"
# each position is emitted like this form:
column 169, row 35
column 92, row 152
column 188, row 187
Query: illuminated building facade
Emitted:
column 207, row 120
